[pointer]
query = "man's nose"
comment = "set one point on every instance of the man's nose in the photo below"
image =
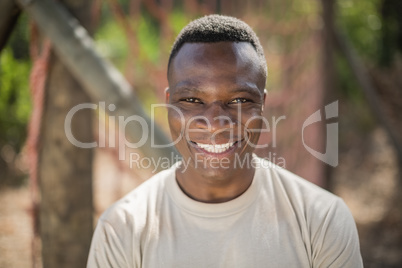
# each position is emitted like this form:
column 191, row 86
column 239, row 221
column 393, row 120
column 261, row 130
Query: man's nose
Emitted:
column 215, row 117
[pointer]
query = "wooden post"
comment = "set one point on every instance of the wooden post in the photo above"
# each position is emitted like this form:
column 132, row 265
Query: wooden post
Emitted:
column 328, row 71
column 65, row 170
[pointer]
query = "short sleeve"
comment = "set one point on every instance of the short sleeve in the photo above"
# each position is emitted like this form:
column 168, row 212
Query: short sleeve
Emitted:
column 335, row 243
column 106, row 248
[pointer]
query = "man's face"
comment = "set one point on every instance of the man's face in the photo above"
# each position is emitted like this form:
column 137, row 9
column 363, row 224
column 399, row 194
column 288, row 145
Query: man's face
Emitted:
column 217, row 90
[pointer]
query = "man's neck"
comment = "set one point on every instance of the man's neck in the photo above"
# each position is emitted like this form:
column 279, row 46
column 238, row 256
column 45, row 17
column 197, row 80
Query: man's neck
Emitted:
column 214, row 190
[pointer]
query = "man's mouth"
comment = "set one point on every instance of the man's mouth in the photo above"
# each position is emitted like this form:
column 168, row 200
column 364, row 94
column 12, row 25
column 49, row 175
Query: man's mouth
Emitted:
column 215, row 148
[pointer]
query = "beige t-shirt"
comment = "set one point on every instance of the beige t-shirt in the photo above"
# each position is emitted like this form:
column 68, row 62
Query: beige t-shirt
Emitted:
column 280, row 221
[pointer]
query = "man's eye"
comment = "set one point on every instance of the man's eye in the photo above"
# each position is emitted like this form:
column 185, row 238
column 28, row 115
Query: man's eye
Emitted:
column 193, row 100
column 239, row 100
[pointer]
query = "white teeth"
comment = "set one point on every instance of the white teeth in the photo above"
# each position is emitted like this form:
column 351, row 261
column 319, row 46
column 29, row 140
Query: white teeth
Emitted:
column 215, row 148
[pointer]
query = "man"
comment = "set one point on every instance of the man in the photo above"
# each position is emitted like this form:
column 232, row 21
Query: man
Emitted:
column 222, row 206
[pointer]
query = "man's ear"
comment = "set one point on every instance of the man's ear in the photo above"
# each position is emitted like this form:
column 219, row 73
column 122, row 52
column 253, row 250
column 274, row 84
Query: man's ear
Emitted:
column 167, row 95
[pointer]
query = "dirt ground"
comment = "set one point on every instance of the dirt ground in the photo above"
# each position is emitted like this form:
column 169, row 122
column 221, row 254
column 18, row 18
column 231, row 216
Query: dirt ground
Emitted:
column 365, row 179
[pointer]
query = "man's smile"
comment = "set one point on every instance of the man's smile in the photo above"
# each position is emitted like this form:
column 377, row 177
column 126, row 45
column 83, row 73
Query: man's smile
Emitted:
column 216, row 149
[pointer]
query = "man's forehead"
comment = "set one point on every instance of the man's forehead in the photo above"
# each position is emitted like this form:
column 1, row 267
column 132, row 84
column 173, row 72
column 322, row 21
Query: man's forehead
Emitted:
column 225, row 49
column 219, row 56
column 217, row 62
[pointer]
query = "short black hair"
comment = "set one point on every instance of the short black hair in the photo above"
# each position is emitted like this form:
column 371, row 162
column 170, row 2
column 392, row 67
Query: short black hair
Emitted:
column 218, row 28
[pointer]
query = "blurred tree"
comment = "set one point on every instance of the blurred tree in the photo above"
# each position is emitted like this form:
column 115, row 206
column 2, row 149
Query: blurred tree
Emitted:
column 65, row 170
column 377, row 65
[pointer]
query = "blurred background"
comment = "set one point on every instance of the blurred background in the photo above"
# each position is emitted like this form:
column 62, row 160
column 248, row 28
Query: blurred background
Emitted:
column 318, row 52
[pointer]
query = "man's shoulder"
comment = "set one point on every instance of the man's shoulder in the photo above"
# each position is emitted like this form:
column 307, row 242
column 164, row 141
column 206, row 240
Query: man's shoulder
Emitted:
column 140, row 200
column 318, row 212
column 295, row 189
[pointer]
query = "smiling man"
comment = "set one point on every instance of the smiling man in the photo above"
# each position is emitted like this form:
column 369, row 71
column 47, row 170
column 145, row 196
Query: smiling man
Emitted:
column 226, row 207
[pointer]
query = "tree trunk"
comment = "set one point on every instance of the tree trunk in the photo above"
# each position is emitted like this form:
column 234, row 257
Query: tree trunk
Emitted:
column 328, row 71
column 65, row 171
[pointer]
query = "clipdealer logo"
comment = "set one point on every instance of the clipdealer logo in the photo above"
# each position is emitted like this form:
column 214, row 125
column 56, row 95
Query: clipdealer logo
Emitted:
column 148, row 128
column 330, row 156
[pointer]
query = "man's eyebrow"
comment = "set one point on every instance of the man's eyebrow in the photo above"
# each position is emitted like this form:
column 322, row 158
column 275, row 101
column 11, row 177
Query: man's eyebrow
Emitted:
column 193, row 88
column 248, row 89
column 186, row 88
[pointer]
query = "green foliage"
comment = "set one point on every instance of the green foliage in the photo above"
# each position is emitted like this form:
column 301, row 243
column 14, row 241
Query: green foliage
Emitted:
column 305, row 8
column 15, row 105
column 177, row 21
column 148, row 37
column 362, row 23
column 355, row 99
column 111, row 41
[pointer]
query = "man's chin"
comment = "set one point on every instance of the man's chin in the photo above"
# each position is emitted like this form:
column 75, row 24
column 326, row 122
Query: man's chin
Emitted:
column 215, row 167
column 215, row 174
